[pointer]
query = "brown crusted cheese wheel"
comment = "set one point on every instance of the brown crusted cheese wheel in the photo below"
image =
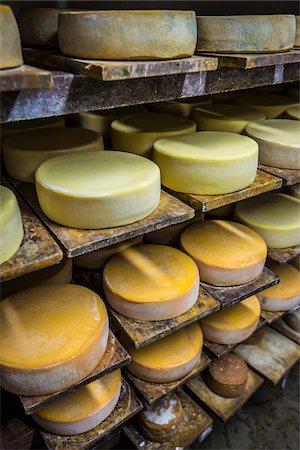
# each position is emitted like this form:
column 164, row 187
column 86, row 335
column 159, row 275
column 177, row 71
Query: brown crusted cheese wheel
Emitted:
column 227, row 376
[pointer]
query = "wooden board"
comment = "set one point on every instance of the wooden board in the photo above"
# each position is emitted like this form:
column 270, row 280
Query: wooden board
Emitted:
column 272, row 357
column 289, row 176
column 114, row 358
column 24, row 77
column 284, row 329
column 224, row 408
column 195, row 423
column 127, row 406
column 153, row 392
column 283, row 255
column 77, row 242
column 38, row 249
column 20, row 433
column 264, row 182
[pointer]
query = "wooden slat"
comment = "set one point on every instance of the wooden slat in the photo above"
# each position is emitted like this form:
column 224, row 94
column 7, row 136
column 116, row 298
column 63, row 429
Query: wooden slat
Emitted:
column 284, row 329
column 25, row 77
column 283, row 255
column 20, row 433
column 289, row 176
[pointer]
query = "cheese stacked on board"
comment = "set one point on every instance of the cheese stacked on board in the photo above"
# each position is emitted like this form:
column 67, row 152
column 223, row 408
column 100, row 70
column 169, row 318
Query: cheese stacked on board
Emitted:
column 227, row 376
column 10, row 42
column 182, row 108
column 271, row 105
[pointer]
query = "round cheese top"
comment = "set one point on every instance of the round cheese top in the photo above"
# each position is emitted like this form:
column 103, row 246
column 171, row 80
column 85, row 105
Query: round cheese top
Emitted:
column 223, row 244
column 229, row 369
column 294, row 112
column 84, row 402
column 28, row 125
column 45, row 325
column 277, row 131
column 171, row 351
column 150, row 273
column 227, row 112
column 167, row 412
column 289, row 285
column 97, row 174
column 8, row 204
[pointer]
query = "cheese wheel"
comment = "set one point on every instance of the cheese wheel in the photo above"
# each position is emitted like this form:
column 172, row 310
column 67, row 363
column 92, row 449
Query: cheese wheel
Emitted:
column 270, row 105
column 226, row 253
column 24, row 153
column 293, row 320
column 232, row 325
column 285, row 295
column 182, row 107
column 168, row 359
column 207, row 163
column 274, row 216
column 11, row 226
column 51, row 337
column 98, row 258
column 293, row 112
column 246, row 33
column 82, row 410
column 136, row 35
column 138, row 132
column 98, row 189
column 227, row 376
column 294, row 190
column 7, row 129
column 278, row 140
column 297, row 38
column 151, row 282
column 10, row 42
column 231, row 118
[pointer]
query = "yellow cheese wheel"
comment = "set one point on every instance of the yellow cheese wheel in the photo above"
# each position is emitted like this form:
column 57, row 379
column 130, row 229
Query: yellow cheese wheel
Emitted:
column 278, row 140
column 10, row 42
column 135, row 34
column 226, row 253
column 168, row 359
column 182, row 107
column 285, row 295
column 274, row 216
column 24, row 152
column 82, row 410
column 98, row 189
column 151, row 282
column 293, row 112
column 11, row 226
column 232, row 325
column 231, row 118
column 51, row 337
column 294, row 190
column 297, row 38
column 270, row 105
column 207, row 163
column 7, row 129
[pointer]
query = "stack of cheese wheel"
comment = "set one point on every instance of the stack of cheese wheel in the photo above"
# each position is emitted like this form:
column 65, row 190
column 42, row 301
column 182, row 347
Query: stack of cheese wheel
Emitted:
column 231, row 118
column 10, row 42
column 137, row 35
column 270, row 105
column 246, row 33
column 226, row 253
column 24, row 152
column 232, row 325
column 293, row 112
column 208, row 162
column 11, row 226
column 7, row 129
column 278, row 140
column 274, row 216
column 285, row 295
column 82, row 410
column 51, row 337
column 98, row 189
column 227, row 376
column 182, row 108
column 151, row 282
column 168, row 359
column 138, row 132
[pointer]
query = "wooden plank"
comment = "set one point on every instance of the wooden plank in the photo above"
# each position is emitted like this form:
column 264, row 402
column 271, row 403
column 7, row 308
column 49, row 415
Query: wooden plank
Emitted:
column 289, row 176
column 272, row 357
column 284, row 255
column 38, row 249
column 76, row 242
column 264, row 182
column 195, row 423
column 224, row 408
column 127, row 406
column 20, row 433
column 25, row 77
column 284, row 329
column 114, row 358
column 153, row 392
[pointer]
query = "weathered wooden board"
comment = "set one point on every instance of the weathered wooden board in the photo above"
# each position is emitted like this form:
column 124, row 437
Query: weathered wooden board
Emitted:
column 264, row 182
column 289, row 176
column 284, row 329
column 20, row 433
column 153, row 392
column 114, row 358
column 223, row 407
column 128, row 405
column 37, row 251
column 76, row 242
column 283, row 255
column 195, row 423
column 24, row 77
column 272, row 357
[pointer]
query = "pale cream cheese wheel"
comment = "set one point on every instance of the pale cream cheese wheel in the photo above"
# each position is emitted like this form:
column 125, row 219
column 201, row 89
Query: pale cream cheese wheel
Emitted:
column 98, row 189
column 297, row 38
column 82, row 410
column 207, row 162
column 127, row 35
column 11, row 226
column 7, row 129
column 271, row 105
column 293, row 112
column 10, row 42
column 274, row 216
column 279, row 142
column 138, row 132
column 182, row 107
column 51, row 337
column 226, row 253
column 151, row 282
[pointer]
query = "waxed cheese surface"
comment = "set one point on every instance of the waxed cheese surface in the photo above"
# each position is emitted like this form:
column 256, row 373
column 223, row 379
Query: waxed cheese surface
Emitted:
column 278, row 131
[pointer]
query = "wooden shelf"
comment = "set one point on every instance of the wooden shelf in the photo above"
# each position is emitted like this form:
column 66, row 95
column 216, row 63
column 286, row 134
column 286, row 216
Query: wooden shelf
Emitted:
column 283, row 255
column 25, row 77
column 289, row 176
column 284, row 329
column 195, row 423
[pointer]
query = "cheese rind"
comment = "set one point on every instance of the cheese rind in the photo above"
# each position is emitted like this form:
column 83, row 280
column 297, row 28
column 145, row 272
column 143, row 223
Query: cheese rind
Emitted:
column 271, row 105
column 227, row 376
column 207, row 163
column 39, row 26
column 293, row 112
column 10, row 42
column 182, row 107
